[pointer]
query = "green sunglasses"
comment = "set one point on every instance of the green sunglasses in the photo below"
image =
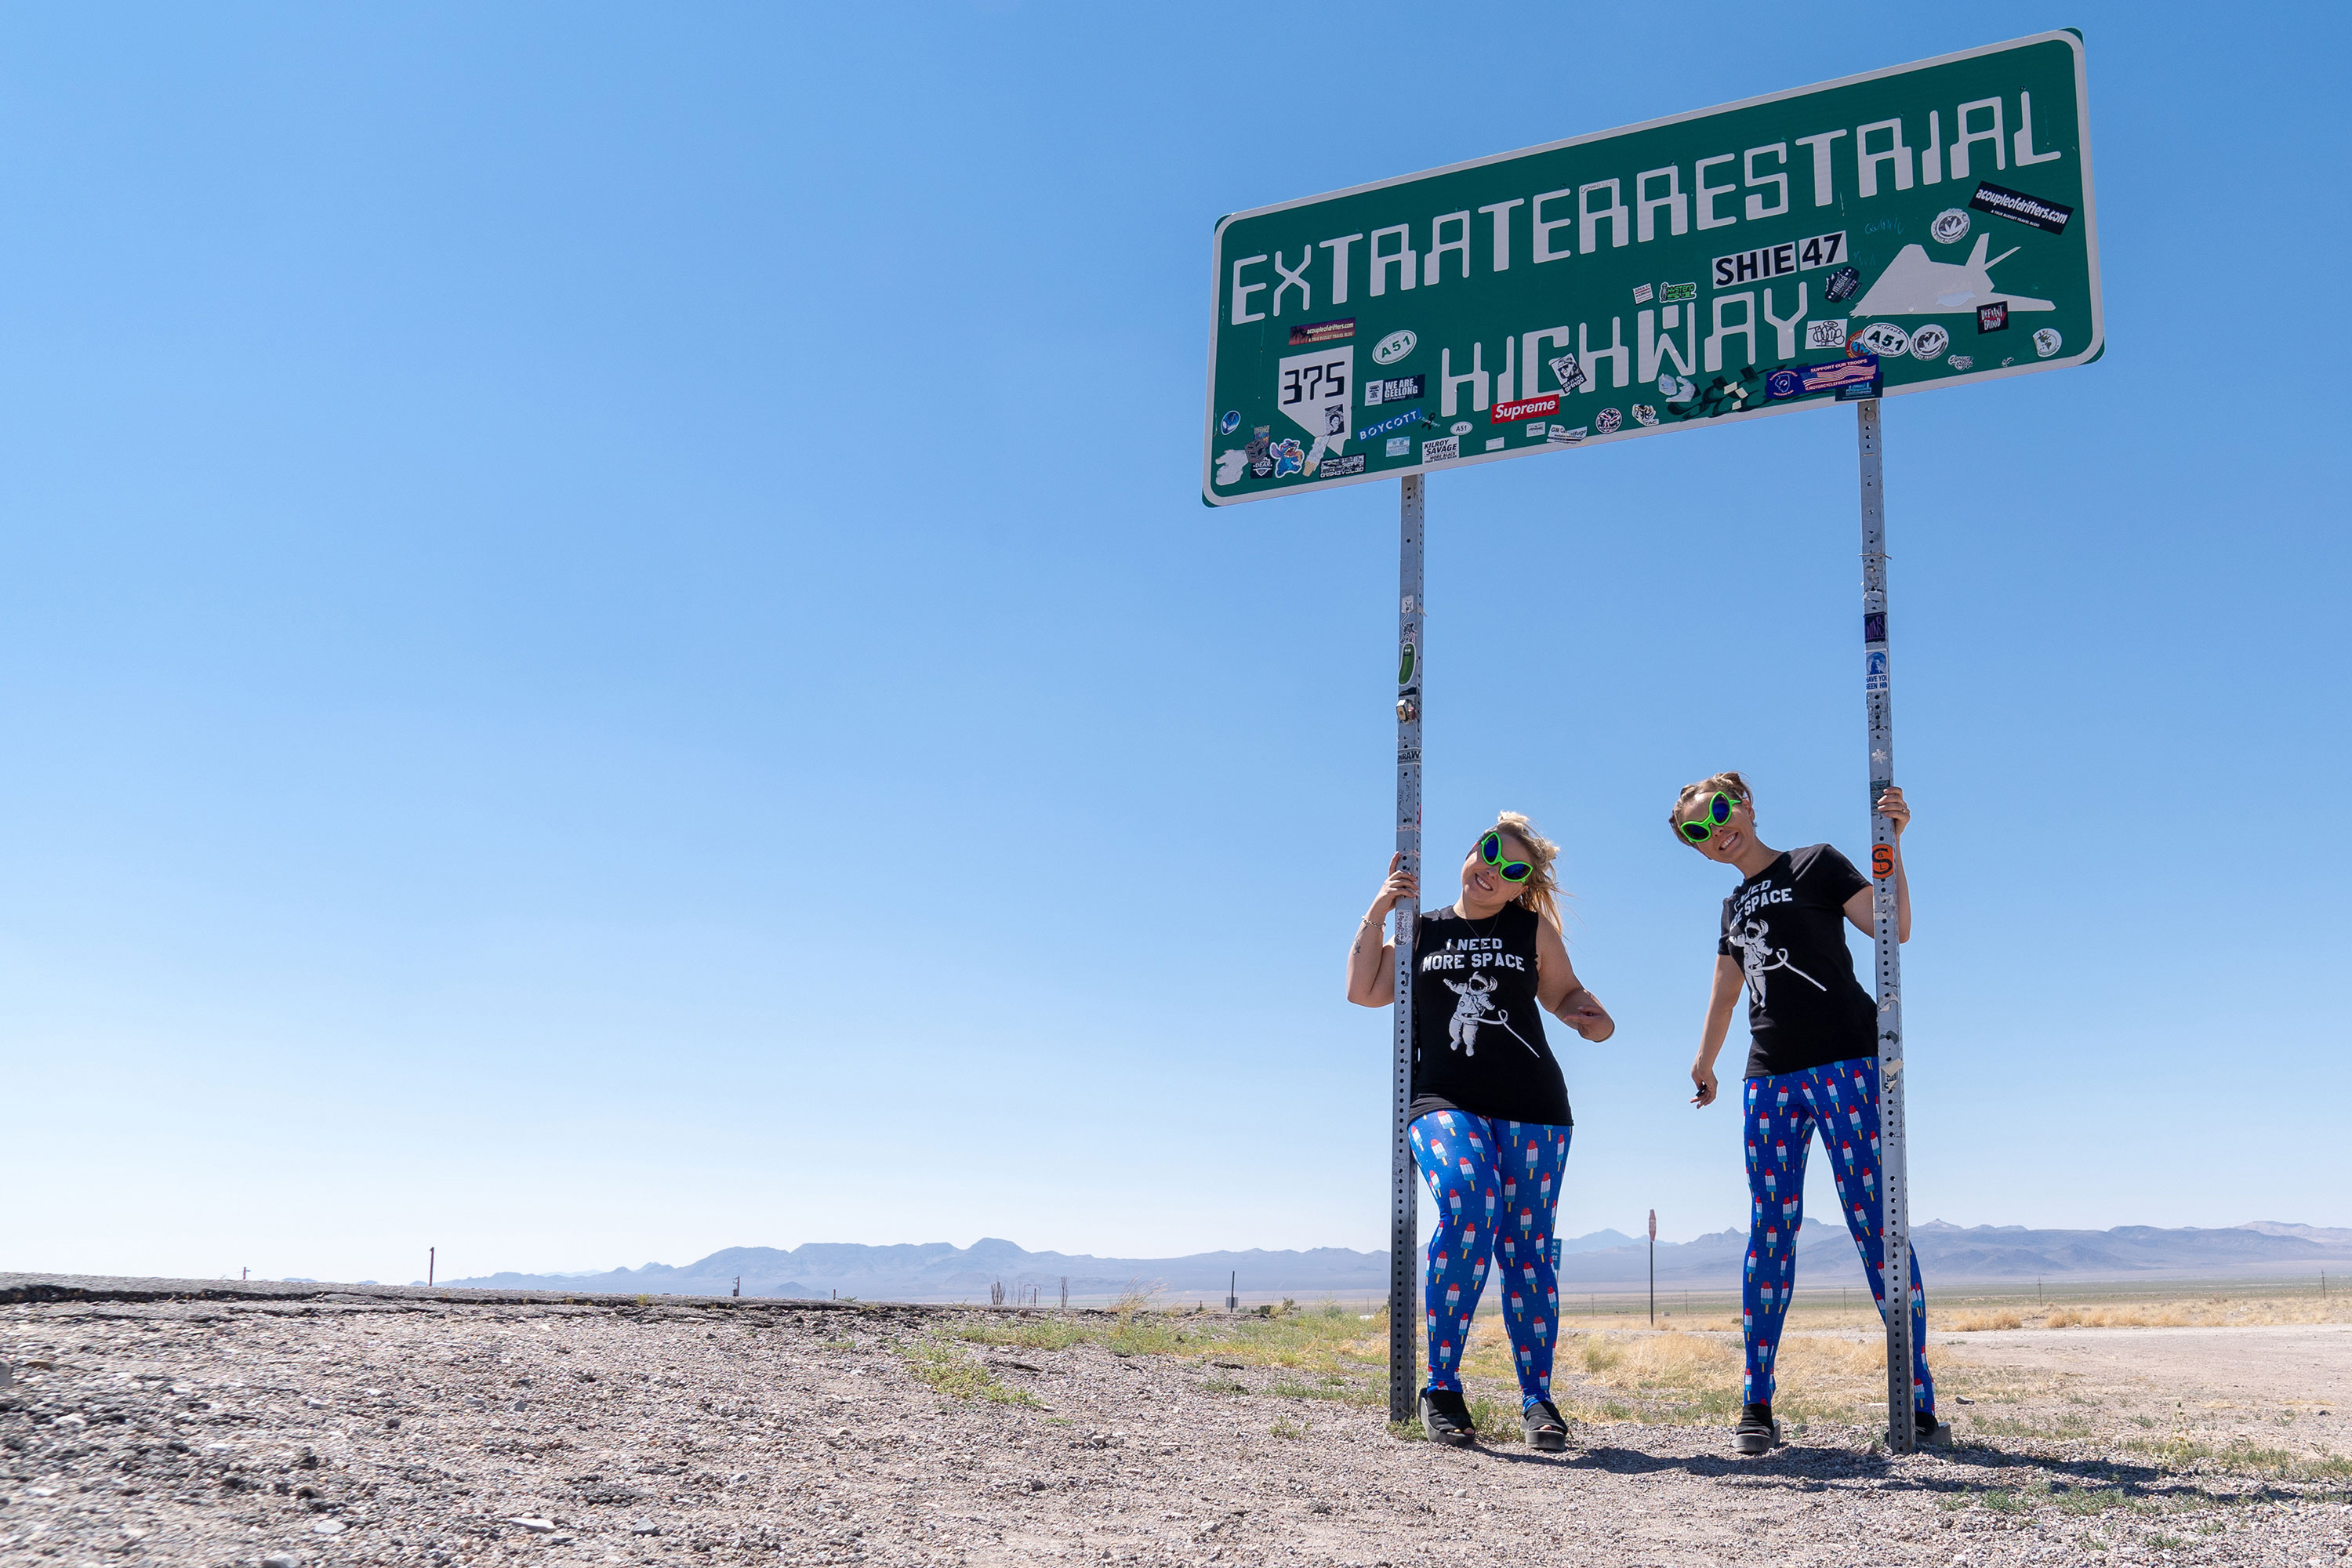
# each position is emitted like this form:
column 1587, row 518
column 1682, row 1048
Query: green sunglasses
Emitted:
column 1490, row 850
column 1699, row 829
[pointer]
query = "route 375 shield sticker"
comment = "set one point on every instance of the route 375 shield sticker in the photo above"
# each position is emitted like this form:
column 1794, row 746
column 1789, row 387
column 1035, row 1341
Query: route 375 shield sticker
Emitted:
column 1312, row 390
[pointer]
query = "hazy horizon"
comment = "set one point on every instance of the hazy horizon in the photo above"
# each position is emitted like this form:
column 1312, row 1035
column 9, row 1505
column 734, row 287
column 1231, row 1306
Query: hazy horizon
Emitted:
column 609, row 644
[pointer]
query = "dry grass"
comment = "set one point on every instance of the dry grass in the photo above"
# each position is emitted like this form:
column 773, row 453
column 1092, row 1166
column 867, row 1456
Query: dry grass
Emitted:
column 1974, row 1322
column 1673, row 1376
column 2204, row 1312
column 947, row 1369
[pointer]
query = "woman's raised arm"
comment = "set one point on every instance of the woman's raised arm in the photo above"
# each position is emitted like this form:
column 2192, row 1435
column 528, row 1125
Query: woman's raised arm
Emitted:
column 1372, row 962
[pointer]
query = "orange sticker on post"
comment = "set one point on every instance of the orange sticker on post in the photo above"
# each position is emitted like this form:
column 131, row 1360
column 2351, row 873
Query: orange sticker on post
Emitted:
column 1882, row 859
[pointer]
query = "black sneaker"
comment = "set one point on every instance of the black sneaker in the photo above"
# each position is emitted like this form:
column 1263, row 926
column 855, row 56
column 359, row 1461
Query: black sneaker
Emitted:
column 1546, row 1430
column 1756, row 1431
column 1445, row 1417
column 1927, row 1431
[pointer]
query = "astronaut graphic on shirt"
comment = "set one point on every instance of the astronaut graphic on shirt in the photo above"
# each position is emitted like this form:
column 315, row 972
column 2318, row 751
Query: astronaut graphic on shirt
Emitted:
column 1758, row 957
column 1476, row 1007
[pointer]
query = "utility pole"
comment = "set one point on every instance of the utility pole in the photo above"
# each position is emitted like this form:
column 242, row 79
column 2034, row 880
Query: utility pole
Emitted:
column 431, row 1258
column 1653, row 1268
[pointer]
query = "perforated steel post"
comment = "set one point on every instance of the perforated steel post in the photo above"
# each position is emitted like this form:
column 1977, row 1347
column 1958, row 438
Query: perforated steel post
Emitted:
column 1404, row 1209
column 1894, row 1196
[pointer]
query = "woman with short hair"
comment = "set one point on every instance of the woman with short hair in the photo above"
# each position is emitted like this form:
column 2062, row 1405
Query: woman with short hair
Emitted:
column 1489, row 1122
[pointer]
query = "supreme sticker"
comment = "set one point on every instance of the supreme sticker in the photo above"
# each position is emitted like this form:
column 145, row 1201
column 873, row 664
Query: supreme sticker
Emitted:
column 1524, row 408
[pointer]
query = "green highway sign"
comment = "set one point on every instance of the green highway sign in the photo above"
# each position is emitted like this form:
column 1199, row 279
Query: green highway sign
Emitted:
column 1921, row 226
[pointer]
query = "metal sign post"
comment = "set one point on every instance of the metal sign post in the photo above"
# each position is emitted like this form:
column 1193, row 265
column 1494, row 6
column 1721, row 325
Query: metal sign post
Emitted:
column 1404, row 1208
column 1894, row 1198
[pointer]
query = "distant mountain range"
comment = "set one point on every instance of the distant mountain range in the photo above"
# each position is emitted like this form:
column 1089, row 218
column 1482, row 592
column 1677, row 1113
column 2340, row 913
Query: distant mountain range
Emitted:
column 1604, row 1260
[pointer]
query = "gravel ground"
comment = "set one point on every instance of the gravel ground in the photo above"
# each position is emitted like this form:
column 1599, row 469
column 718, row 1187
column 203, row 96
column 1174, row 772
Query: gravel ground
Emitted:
column 333, row 1426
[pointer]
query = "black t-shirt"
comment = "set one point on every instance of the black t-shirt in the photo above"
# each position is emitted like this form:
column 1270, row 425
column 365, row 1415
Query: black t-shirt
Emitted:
column 1786, row 925
column 1477, row 1033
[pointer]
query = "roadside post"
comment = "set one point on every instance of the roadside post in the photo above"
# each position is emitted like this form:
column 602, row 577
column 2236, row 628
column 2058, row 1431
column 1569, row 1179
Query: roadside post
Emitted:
column 1404, row 1193
column 1877, row 680
column 1905, row 230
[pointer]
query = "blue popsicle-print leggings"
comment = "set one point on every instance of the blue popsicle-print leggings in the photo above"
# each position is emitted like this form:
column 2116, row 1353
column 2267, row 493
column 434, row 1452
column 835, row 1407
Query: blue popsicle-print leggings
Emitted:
column 1498, row 1186
column 1842, row 1101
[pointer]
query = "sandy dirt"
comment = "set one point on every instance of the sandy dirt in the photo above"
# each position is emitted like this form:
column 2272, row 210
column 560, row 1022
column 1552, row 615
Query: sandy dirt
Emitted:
column 366, row 1430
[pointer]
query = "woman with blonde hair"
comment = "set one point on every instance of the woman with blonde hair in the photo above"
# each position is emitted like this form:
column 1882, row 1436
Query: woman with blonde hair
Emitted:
column 1813, row 1064
column 1489, row 1117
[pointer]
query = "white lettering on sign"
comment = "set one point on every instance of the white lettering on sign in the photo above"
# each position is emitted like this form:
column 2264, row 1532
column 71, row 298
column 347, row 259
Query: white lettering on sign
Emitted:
column 1501, row 213
column 1786, row 326
column 1825, row 188
column 1338, row 250
column 1434, row 267
column 1882, row 158
column 1784, row 260
column 1707, row 193
column 1241, row 291
column 1402, row 258
column 1676, row 203
column 1896, row 155
column 1756, row 208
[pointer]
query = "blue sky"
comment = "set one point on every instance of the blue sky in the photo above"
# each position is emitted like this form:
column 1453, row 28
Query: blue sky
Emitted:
column 607, row 645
